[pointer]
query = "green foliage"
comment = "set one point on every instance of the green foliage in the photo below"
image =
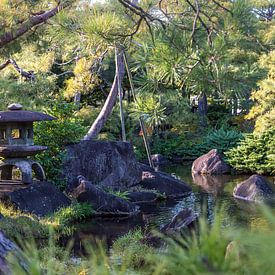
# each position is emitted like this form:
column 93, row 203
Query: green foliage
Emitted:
column 263, row 110
column 75, row 212
column 55, row 135
column 120, row 194
column 255, row 153
column 26, row 227
column 30, row 95
column 51, row 259
column 213, row 249
column 16, row 224
column 151, row 111
column 219, row 115
column 201, row 253
column 132, row 252
column 190, row 148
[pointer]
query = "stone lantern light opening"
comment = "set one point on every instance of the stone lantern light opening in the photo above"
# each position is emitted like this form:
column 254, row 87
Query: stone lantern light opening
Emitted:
column 16, row 145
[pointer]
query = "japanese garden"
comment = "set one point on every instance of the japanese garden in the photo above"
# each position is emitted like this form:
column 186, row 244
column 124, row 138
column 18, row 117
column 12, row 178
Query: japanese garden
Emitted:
column 137, row 137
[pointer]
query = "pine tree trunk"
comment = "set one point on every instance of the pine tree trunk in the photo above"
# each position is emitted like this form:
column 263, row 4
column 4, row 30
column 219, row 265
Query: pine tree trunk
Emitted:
column 111, row 99
column 202, row 109
column 77, row 98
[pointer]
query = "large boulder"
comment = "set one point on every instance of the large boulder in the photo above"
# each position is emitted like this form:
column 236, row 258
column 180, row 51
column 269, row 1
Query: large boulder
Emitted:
column 39, row 198
column 102, row 202
column 163, row 183
column 210, row 163
column 255, row 188
column 108, row 163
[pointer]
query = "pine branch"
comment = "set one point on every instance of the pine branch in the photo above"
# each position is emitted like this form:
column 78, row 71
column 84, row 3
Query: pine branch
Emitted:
column 28, row 75
column 139, row 11
column 33, row 21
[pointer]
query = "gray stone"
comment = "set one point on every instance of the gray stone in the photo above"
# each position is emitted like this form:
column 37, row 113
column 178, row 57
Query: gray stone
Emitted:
column 163, row 183
column 142, row 196
column 102, row 202
column 15, row 107
column 159, row 159
column 6, row 246
column 39, row 198
column 27, row 167
column 255, row 188
column 107, row 163
column 210, row 163
column 180, row 221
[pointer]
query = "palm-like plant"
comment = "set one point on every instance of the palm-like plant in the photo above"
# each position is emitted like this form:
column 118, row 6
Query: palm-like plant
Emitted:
column 151, row 110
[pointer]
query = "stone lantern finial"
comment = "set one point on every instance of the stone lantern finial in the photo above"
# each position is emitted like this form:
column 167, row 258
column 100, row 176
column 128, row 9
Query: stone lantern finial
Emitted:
column 15, row 107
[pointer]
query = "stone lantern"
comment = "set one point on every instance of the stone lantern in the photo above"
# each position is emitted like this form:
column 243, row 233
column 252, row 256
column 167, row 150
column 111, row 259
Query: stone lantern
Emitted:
column 16, row 144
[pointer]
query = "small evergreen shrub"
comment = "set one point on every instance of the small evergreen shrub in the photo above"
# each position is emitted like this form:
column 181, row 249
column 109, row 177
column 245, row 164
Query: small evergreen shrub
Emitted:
column 254, row 154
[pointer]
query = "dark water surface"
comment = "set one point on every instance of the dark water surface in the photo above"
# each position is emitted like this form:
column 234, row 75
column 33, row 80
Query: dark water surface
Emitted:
column 209, row 193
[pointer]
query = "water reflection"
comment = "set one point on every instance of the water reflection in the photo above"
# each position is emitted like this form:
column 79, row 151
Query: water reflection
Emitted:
column 210, row 194
column 213, row 184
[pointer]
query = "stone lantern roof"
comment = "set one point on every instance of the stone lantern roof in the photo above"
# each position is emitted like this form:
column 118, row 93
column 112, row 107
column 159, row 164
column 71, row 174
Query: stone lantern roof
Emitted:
column 16, row 113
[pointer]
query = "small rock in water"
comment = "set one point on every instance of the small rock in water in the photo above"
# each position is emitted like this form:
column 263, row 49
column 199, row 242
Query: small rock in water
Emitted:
column 163, row 183
column 255, row 188
column 183, row 219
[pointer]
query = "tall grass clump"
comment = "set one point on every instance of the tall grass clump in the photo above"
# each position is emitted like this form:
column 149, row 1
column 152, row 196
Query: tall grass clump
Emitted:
column 210, row 249
column 131, row 252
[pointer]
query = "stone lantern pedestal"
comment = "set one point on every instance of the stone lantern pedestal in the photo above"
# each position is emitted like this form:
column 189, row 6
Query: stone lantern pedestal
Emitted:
column 16, row 144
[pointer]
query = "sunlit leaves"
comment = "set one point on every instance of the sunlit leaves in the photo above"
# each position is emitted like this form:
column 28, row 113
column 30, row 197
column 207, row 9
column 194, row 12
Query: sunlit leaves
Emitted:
column 264, row 98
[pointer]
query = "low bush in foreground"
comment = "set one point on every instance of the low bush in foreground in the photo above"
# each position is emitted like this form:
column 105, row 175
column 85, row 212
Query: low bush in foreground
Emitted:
column 213, row 249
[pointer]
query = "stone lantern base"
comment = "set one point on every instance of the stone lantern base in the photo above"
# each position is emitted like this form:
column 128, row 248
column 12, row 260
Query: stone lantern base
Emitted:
column 27, row 167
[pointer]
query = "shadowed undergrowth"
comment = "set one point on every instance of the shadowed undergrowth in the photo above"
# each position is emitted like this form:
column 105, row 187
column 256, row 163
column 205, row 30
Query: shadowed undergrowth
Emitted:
column 211, row 249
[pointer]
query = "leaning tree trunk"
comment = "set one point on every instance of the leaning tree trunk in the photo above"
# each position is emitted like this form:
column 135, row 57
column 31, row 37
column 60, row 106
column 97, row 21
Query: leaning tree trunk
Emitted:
column 111, row 99
column 202, row 109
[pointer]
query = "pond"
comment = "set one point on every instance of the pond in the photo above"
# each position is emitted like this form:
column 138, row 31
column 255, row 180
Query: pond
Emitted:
column 209, row 194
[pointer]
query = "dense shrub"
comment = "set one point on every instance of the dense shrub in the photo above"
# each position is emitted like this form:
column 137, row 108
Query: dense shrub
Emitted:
column 55, row 135
column 187, row 148
column 256, row 153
